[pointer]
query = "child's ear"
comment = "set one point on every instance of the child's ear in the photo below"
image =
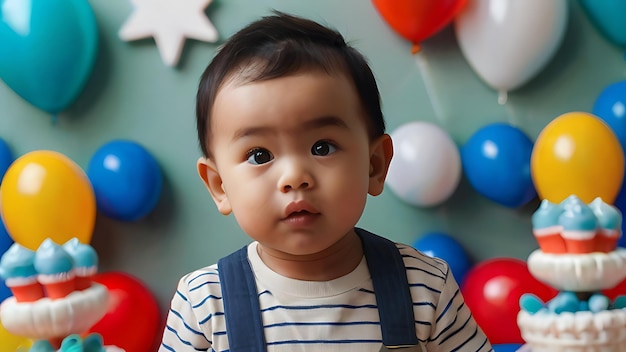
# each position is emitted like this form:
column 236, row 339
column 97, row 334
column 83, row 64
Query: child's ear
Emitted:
column 381, row 152
column 213, row 182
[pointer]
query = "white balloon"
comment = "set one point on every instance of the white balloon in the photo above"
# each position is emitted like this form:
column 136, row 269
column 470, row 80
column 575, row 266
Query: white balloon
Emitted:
column 426, row 166
column 507, row 42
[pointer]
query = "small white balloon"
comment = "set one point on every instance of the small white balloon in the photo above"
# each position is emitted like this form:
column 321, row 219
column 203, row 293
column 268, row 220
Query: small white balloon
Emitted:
column 426, row 166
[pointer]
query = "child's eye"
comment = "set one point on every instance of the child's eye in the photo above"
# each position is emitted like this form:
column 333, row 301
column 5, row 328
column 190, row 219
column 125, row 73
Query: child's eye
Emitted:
column 323, row 148
column 259, row 156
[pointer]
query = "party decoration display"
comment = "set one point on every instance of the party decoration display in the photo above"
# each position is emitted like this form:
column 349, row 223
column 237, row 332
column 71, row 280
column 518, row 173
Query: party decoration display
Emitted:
column 444, row 246
column 126, row 179
column 492, row 290
column 607, row 16
column 577, row 153
column 578, row 256
column 508, row 42
column 133, row 321
column 45, row 194
column 169, row 22
column 417, row 20
column 426, row 167
column 496, row 161
column 48, row 50
column 53, row 294
column 6, row 158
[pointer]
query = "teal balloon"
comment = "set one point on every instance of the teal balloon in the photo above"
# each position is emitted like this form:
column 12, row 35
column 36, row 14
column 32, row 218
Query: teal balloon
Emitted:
column 48, row 50
column 608, row 17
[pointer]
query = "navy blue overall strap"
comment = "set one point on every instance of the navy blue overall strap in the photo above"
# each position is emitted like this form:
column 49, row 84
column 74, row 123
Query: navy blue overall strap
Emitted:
column 244, row 324
column 391, row 287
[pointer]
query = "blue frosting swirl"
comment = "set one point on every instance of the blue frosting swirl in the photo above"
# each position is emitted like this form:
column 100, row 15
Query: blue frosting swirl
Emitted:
column 609, row 217
column 83, row 254
column 51, row 258
column 547, row 215
column 17, row 261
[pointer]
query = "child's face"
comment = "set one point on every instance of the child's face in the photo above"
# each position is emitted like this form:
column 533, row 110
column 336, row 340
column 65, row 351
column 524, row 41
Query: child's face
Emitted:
column 292, row 160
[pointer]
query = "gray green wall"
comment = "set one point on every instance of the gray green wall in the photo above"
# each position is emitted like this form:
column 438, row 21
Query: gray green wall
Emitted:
column 132, row 94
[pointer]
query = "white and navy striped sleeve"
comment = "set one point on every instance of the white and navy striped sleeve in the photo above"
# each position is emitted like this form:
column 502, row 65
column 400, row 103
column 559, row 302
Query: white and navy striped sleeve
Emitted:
column 443, row 321
column 188, row 325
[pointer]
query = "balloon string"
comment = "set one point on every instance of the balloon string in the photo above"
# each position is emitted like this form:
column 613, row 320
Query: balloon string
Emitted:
column 423, row 65
column 510, row 113
column 416, row 48
column 503, row 96
column 54, row 117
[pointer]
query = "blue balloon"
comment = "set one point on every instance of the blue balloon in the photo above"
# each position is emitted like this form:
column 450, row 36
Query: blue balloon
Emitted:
column 126, row 178
column 608, row 18
column 6, row 158
column 48, row 49
column 610, row 106
column 507, row 347
column 5, row 243
column 496, row 161
column 5, row 239
column 441, row 245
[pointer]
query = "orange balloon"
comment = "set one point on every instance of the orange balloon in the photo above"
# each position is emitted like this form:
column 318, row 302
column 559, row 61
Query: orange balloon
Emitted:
column 577, row 153
column 44, row 194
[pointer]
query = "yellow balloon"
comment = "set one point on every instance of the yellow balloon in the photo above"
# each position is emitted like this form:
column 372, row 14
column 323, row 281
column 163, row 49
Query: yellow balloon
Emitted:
column 577, row 153
column 44, row 194
column 10, row 342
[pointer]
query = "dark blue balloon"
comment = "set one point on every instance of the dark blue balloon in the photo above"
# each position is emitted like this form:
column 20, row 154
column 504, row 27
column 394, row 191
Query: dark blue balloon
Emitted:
column 496, row 162
column 5, row 242
column 6, row 158
column 610, row 106
column 126, row 178
column 507, row 347
column 441, row 245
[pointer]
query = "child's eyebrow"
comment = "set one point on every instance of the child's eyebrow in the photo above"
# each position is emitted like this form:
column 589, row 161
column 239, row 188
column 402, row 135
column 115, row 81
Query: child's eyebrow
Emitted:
column 316, row 123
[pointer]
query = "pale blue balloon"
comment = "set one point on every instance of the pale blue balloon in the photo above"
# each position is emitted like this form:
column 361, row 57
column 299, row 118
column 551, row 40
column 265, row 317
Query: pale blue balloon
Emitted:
column 48, row 50
column 609, row 18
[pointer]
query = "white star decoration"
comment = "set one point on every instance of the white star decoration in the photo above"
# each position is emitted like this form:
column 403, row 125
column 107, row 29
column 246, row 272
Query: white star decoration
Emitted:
column 169, row 22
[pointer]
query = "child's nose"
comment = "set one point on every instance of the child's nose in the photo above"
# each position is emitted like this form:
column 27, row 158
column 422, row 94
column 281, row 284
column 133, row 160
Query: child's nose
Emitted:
column 295, row 176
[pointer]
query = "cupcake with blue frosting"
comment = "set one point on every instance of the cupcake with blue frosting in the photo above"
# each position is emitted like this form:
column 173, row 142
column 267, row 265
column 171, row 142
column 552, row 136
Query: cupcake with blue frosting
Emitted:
column 546, row 227
column 56, row 269
column 579, row 226
column 18, row 271
column 85, row 262
column 609, row 225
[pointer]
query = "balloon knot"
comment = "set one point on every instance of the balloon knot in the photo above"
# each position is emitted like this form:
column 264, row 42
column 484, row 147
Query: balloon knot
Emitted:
column 416, row 48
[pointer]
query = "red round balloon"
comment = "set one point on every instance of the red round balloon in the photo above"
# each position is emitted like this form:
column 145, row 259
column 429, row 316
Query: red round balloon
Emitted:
column 417, row 20
column 492, row 290
column 133, row 320
column 614, row 292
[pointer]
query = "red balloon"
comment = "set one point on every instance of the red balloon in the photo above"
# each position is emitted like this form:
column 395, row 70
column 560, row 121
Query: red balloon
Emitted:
column 417, row 20
column 614, row 292
column 492, row 290
column 133, row 321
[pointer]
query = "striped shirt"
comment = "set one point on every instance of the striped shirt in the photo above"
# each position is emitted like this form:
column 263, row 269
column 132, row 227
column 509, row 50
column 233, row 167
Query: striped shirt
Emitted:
column 336, row 315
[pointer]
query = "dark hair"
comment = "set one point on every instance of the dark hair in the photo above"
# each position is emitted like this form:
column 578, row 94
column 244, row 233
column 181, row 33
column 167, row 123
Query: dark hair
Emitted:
column 280, row 45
